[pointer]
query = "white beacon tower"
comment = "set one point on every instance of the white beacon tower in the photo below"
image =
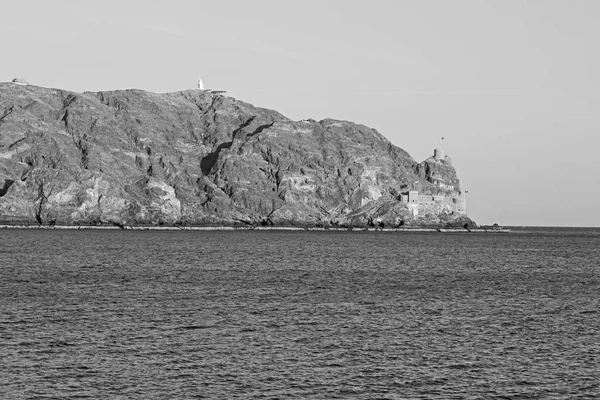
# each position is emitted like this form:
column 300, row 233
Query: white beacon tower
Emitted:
column 200, row 84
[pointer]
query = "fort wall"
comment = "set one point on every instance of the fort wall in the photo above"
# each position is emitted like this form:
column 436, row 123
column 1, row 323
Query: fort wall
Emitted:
column 451, row 201
column 455, row 202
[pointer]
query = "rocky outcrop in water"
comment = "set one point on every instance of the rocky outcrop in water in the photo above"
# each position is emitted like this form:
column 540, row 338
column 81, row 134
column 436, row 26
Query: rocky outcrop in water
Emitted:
column 198, row 158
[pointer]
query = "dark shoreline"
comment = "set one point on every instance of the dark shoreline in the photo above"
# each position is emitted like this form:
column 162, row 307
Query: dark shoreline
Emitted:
column 247, row 228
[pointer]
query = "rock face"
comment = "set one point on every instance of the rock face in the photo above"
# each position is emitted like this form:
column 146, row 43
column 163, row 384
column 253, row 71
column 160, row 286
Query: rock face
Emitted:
column 198, row 158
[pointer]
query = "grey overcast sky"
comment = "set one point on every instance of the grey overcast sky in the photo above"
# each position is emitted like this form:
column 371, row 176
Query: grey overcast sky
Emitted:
column 512, row 85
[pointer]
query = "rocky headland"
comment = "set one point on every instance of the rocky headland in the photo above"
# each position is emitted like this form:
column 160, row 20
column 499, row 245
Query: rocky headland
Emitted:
column 198, row 158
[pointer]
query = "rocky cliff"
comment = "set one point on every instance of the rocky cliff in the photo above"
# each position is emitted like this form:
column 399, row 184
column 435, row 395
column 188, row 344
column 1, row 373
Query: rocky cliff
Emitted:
column 198, row 158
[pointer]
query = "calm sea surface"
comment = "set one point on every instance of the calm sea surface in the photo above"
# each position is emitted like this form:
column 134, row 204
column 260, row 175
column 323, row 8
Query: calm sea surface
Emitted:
column 277, row 315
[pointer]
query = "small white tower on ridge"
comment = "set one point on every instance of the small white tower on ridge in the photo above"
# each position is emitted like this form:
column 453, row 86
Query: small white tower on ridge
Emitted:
column 18, row 81
column 200, row 84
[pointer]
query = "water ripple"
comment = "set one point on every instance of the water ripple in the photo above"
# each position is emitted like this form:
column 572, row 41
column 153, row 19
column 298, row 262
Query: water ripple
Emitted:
column 272, row 315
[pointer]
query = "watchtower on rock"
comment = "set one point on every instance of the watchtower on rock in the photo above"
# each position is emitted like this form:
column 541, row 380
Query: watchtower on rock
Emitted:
column 439, row 154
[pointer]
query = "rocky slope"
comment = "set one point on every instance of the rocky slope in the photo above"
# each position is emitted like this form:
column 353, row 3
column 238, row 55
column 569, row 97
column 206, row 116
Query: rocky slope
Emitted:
column 198, row 158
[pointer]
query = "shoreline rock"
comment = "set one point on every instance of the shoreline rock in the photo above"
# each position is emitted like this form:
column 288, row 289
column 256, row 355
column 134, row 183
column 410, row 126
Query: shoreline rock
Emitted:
column 240, row 228
column 197, row 158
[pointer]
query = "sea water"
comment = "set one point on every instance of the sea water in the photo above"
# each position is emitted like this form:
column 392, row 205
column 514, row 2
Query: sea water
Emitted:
column 277, row 315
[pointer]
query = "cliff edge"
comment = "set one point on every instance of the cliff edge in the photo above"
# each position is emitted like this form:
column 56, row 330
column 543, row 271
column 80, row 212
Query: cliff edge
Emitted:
column 200, row 158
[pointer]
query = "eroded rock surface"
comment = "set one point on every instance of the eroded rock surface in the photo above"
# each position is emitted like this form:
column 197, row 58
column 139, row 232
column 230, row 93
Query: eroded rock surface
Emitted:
column 197, row 158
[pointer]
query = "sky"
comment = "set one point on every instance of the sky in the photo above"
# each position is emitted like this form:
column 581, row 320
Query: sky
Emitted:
column 513, row 86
